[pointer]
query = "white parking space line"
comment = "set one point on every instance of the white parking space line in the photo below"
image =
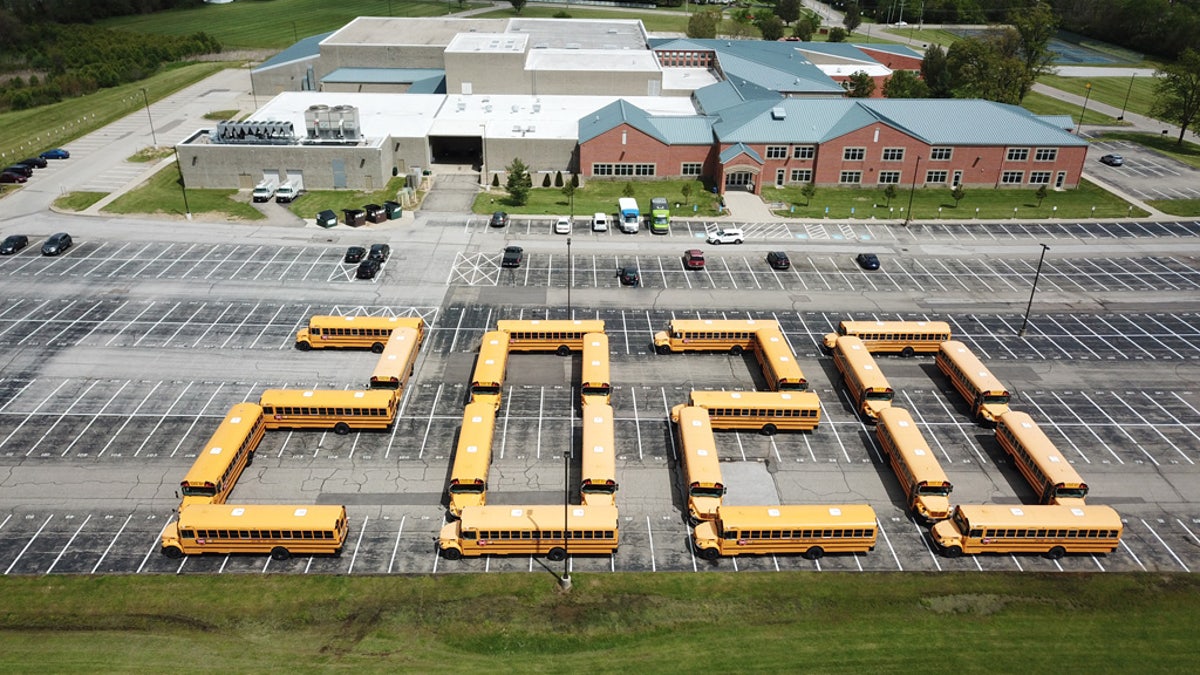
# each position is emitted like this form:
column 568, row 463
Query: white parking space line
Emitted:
column 1050, row 420
column 262, row 266
column 176, row 260
column 16, row 322
column 1119, row 427
column 28, row 544
column 162, row 419
column 31, row 413
column 1100, row 337
column 223, row 261
column 429, row 421
column 129, row 418
column 84, row 432
column 920, row 420
column 196, row 419
column 1170, row 550
column 108, row 548
column 1067, row 334
column 128, row 261
column 1153, row 427
column 270, row 322
column 68, row 544
column 241, row 324
column 888, row 540
column 1152, row 336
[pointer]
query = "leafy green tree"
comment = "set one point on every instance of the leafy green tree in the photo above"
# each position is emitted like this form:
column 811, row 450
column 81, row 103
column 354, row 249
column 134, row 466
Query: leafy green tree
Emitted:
column 935, row 73
column 805, row 27
column 808, row 191
column 788, row 10
column 957, row 194
column 575, row 180
column 771, row 27
column 519, row 182
column 853, row 17
column 859, row 85
column 568, row 191
column 986, row 69
column 1177, row 92
column 905, row 84
column 628, row 191
column 558, row 181
column 889, row 193
column 1035, row 27
column 546, row 181
column 837, row 34
column 495, row 180
column 517, row 5
column 704, row 24
column 686, row 191
column 1041, row 194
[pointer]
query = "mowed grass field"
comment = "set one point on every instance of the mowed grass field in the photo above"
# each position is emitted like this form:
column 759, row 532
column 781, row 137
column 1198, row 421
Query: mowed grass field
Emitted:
column 635, row 623
column 1110, row 90
column 273, row 25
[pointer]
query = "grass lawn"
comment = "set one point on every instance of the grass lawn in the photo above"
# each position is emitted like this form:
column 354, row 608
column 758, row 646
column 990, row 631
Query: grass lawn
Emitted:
column 600, row 196
column 1110, row 90
column 162, row 194
column 220, row 115
column 272, row 25
column 28, row 132
column 1177, row 207
column 146, row 155
column 1041, row 104
column 1188, row 152
column 630, row 622
column 78, row 201
column 314, row 201
column 937, row 204
column 653, row 21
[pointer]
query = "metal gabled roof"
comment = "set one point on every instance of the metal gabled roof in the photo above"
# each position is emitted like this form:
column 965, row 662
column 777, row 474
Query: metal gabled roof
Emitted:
column 805, row 121
column 308, row 48
column 691, row 130
column 969, row 122
column 614, row 115
column 739, row 149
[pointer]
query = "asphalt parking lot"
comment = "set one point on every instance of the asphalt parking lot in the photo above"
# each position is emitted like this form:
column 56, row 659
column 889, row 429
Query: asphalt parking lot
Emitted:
column 1131, row 442
column 1145, row 174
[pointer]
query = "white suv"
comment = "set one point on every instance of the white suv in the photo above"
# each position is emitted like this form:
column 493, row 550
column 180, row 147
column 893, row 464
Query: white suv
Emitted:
column 600, row 222
column 729, row 235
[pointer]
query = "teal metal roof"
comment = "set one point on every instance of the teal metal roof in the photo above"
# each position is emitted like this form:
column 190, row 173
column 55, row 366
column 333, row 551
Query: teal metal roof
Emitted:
column 768, row 66
column 739, row 149
column 420, row 80
column 933, row 121
column 691, row 130
column 615, row 114
column 308, row 48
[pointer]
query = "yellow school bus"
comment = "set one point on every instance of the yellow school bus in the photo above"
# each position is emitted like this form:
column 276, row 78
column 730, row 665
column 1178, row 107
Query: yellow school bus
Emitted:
column 397, row 362
column 765, row 411
column 1053, row 479
column 701, row 467
column 905, row 338
column 281, row 531
column 920, row 474
column 778, row 362
column 228, row 451
column 868, row 388
column 337, row 409
column 984, row 392
column 560, row 336
column 711, row 335
column 531, row 530
column 1051, row 530
column 472, row 457
column 809, row 530
column 594, row 386
column 487, row 382
column 598, row 475
column 355, row 332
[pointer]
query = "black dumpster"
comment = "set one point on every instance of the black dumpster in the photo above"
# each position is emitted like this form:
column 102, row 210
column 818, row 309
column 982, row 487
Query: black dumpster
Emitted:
column 327, row 218
column 355, row 217
column 375, row 213
column 393, row 209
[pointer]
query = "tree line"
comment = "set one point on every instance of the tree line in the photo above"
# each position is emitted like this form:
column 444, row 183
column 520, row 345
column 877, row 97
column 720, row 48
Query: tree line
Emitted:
column 85, row 11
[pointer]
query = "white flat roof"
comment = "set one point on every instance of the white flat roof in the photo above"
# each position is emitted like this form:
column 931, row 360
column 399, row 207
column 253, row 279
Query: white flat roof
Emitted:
column 846, row 70
column 379, row 115
column 687, row 79
column 592, row 60
column 506, row 43
column 496, row 116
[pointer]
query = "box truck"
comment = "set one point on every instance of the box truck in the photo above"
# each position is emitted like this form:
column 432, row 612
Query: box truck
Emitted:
column 631, row 218
column 660, row 216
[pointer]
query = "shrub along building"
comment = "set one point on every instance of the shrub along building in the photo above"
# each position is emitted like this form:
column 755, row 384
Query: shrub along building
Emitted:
column 601, row 98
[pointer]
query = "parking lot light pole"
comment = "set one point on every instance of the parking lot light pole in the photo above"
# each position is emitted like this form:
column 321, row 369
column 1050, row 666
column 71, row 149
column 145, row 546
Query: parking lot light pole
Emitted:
column 1083, row 112
column 1127, row 93
column 911, row 191
column 153, row 136
column 182, row 187
column 1036, row 276
column 564, row 582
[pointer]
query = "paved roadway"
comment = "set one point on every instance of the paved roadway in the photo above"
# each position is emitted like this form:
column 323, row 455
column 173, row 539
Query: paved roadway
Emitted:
column 119, row 358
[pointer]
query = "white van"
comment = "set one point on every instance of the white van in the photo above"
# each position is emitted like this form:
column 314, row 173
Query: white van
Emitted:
column 600, row 222
column 264, row 191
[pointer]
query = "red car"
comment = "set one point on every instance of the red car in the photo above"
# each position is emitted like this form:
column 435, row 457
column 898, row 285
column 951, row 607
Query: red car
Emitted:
column 693, row 259
column 10, row 177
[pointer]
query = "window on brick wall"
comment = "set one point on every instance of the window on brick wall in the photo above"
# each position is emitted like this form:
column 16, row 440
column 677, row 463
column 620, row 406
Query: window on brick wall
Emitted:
column 1017, row 154
column 893, row 154
column 804, row 152
column 801, row 175
column 1039, row 177
column 889, row 177
column 777, row 152
column 941, row 154
column 854, row 154
column 691, row 169
column 1045, row 154
column 850, row 177
column 1012, row 177
column 935, row 176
